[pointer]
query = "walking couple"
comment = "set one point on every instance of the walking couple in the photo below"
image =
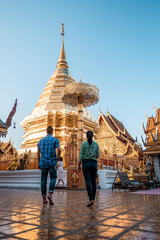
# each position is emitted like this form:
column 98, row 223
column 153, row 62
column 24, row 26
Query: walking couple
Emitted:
column 47, row 162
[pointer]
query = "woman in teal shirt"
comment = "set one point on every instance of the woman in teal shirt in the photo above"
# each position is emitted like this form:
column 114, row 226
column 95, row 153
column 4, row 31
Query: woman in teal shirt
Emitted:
column 88, row 157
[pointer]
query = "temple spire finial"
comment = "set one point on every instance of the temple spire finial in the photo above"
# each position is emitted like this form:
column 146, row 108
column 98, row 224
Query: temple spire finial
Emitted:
column 62, row 29
column 62, row 63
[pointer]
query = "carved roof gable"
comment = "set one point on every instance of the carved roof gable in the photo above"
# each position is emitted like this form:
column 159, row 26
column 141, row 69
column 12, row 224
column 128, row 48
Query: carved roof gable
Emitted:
column 108, row 123
column 115, row 125
column 150, row 124
column 120, row 127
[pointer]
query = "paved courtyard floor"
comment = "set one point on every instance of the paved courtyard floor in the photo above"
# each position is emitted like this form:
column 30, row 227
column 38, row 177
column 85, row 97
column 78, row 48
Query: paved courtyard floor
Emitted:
column 115, row 215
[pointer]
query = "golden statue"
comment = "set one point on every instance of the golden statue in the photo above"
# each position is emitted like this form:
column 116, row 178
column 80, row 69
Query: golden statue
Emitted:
column 13, row 164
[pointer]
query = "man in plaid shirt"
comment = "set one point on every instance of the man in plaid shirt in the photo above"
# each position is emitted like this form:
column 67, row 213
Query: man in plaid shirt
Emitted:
column 47, row 162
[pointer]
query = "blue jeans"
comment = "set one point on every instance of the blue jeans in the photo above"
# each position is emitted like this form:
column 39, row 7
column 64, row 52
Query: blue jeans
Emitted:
column 89, row 168
column 53, row 177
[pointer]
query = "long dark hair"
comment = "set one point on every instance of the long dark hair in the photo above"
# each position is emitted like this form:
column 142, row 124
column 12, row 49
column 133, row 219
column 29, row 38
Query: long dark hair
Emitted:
column 89, row 137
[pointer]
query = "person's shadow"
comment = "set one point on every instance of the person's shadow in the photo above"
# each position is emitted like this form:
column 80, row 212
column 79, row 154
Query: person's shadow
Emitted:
column 92, row 219
column 45, row 230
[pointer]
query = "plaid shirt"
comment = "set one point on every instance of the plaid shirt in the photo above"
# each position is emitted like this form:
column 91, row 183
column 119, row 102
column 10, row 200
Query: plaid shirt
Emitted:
column 47, row 146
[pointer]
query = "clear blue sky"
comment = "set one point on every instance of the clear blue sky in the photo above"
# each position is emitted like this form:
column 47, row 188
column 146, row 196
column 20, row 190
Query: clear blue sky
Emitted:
column 113, row 44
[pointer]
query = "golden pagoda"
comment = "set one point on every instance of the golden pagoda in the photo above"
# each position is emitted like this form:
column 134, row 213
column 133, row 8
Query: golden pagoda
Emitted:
column 51, row 110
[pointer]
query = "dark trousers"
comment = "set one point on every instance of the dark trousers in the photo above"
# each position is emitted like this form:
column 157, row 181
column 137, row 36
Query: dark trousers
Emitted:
column 53, row 177
column 89, row 168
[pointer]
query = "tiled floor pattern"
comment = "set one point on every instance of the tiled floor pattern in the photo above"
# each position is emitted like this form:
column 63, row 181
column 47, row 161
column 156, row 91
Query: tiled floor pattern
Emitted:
column 115, row 215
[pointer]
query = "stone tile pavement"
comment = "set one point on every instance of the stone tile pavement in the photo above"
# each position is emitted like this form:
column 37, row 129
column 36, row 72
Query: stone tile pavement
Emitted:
column 115, row 215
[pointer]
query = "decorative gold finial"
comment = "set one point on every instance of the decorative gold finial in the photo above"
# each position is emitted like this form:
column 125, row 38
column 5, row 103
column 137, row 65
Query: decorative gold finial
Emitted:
column 80, row 79
column 62, row 29
column 100, row 109
column 146, row 116
column 154, row 107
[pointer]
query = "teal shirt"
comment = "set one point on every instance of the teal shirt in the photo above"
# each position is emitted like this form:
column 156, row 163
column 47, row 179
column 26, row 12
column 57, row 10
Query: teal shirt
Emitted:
column 89, row 151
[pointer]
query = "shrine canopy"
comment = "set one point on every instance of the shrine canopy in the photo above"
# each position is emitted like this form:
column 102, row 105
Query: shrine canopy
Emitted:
column 3, row 129
column 87, row 94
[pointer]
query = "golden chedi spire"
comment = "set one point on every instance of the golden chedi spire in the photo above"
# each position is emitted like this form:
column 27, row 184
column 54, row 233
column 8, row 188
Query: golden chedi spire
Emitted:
column 51, row 110
column 62, row 63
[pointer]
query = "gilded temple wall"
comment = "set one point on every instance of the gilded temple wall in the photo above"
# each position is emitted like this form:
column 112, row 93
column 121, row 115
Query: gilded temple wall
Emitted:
column 63, row 124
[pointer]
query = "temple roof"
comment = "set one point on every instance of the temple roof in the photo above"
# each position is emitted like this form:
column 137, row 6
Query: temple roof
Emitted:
column 121, row 127
column 152, row 150
column 6, row 146
column 150, row 124
column 152, row 132
column 111, row 124
column 130, row 148
column 130, row 151
column 117, row 127
column 2, row 124
column 3, row 129
column 157, row 118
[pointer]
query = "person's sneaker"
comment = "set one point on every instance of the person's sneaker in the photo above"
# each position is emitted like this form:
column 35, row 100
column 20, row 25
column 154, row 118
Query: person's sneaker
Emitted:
column 45, row 200
column 50, row 200
column 90, row 203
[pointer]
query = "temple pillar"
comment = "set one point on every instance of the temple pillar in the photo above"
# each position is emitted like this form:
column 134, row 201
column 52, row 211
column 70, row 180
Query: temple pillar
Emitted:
column 80, row 127
column 75, row 179
column 157, row 167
